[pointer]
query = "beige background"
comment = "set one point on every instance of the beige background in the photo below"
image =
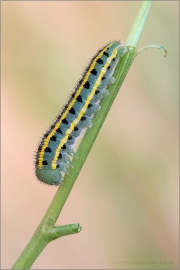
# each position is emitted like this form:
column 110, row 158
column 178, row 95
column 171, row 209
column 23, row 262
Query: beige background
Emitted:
column 126, row 196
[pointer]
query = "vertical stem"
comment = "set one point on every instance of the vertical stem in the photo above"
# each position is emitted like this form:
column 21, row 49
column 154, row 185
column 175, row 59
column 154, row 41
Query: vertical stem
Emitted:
column 40, row 238
column 136, row 31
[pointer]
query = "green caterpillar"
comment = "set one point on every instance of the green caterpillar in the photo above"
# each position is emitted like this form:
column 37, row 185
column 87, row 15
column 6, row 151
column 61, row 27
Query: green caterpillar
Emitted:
column 55, row 151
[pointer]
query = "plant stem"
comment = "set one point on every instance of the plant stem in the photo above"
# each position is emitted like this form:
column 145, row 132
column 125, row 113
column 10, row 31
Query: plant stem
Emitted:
column 139, row 23
column 46, row 231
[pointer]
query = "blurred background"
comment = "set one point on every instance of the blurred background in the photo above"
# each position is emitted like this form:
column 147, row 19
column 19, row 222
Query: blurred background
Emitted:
column 126, row 196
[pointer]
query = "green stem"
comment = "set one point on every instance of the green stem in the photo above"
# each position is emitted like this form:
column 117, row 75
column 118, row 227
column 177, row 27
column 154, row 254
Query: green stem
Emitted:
column 139, row 23
column 46, row 231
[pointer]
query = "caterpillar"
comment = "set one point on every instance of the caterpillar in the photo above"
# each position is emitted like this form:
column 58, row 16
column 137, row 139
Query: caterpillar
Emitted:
column 56, row 149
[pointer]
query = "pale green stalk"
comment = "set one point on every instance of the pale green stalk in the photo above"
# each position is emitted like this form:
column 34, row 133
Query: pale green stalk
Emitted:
column 47, row 231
